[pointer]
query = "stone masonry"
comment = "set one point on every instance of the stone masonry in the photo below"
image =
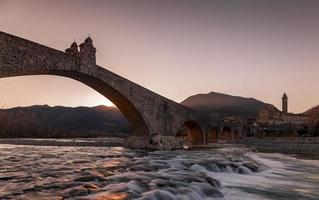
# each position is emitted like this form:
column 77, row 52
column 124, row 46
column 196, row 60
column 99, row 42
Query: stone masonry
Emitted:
column 155, row 120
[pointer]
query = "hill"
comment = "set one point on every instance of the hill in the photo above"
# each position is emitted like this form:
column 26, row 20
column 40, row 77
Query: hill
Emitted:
column 313, row 112
column 45, row 121
column 223, row 105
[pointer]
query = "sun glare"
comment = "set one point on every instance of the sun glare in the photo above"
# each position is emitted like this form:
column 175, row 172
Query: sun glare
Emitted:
column 108, row 103
column 104, row 101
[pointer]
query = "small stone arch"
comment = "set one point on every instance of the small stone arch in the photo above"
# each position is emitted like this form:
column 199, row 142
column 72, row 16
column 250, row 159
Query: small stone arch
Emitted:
column 192, row 132
column 226, row 133
column 212, row 136
column 245, row 132
column 236, row 135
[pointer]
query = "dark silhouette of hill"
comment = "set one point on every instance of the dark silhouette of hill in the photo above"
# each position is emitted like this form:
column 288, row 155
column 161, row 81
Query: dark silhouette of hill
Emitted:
column 223, row 105
column 59, row 121
column 313, row 112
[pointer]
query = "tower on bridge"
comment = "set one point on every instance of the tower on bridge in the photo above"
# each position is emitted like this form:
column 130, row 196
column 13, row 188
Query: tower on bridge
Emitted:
column 87, row 52
column 73, row 50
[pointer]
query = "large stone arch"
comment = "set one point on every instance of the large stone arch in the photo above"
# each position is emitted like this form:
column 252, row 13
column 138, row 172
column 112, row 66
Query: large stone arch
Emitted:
column 131, row 113
column 148, row 113
column 19, row 57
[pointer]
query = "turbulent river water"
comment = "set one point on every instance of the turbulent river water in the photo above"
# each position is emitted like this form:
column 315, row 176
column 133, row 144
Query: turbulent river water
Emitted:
column 44, row 172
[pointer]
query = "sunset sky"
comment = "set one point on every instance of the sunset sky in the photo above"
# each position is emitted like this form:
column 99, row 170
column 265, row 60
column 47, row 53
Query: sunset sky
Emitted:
column 176, row 48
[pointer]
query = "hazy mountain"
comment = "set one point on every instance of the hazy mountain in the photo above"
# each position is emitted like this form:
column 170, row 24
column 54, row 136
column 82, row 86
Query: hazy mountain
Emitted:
column 222, row 105
column 58, row 121
column 46, row 121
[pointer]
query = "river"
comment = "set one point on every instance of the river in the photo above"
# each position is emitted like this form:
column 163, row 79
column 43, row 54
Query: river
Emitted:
column 51, row 172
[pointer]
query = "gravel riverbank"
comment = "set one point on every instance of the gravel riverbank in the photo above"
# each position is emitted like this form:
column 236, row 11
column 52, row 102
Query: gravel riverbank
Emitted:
column 95, row 142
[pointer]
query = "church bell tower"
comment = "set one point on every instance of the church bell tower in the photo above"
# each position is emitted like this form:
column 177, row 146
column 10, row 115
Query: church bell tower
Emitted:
column 284, row 104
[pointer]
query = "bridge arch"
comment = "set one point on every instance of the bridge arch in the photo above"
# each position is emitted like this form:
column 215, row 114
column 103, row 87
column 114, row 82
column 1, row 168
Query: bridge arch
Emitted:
column 19, row 57
column 226, row 133
column 130, row 112
column 148, row 113
column 194, row 133
column 212, row 136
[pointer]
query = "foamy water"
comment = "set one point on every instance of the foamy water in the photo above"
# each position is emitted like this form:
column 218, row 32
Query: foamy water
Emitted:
column 35, row 172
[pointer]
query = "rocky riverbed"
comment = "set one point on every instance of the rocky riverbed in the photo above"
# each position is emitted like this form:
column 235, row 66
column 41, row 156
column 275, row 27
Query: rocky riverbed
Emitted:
column 56, row 172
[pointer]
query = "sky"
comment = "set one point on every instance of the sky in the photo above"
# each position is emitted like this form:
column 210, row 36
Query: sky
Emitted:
column 176, row 48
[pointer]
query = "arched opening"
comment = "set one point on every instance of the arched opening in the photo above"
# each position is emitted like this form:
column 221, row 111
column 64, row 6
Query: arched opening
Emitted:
column 194, row 133
column 212, row 136
column 245, row 132
column 226, row 133
column 136, row 122
column 236, row 135
column 251, row 132
column 131, row 113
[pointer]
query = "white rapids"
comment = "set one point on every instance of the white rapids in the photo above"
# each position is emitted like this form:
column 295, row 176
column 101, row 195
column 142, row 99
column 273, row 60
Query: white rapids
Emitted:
column 43, row 172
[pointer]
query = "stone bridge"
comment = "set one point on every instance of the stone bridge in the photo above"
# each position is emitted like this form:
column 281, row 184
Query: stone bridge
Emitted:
column 156, row 121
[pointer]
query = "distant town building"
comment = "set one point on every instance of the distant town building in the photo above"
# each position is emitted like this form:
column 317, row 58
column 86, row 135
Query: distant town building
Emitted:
column 270, row 122
column 270, row 115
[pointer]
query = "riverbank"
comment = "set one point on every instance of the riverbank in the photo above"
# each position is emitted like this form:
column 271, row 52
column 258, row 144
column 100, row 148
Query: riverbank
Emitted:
column 93, row 142
column 301, row 146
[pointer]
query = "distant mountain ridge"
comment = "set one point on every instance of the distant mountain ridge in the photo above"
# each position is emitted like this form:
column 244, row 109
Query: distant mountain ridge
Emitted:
column 223, row 105
column 59, row 121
